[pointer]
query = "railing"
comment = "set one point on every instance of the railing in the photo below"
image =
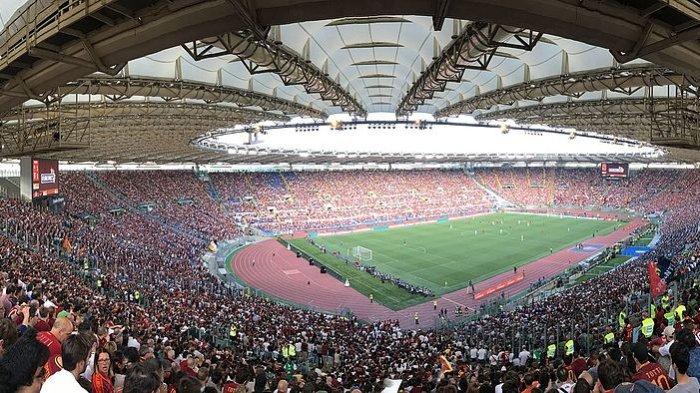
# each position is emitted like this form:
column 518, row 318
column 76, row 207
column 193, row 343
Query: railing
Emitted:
column 40, row 20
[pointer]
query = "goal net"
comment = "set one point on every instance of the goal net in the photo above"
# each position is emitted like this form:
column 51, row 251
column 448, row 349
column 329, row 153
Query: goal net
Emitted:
column 361, row 253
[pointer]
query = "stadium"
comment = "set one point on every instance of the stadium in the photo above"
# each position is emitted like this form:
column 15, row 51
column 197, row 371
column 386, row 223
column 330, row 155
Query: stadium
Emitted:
column 373, row 196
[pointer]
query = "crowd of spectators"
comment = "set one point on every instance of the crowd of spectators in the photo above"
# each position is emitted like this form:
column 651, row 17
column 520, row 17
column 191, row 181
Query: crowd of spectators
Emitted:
column 287, row 202
column 123, row 304
column 578, row 187
column 178, row 198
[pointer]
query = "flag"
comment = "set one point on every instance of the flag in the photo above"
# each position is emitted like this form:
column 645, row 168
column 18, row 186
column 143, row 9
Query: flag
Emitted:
column 656, row 285
column 665, row 270
column 445, row 365
column 66, row 244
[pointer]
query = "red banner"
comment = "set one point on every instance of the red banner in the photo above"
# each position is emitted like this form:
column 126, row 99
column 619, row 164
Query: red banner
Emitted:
column 656, row 285
column 499, row 286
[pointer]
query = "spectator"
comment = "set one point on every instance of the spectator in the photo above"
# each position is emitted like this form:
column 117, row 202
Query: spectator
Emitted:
column 189, row 384
column 74, row 356
column 103, row 376
column 648, row 370
column 54, row 339
column 564, row 380
column 680, row 356
column 610, row 375
column 686, row 337
column 281, row 387
column 22, row 366
column 141, row 380
column 8, row 334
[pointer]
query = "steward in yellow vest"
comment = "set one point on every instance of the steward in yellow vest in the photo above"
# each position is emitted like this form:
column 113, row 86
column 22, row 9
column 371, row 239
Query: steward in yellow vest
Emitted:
column 569, row 346
column 680, row 310
column 621, row 319
column 647, row 328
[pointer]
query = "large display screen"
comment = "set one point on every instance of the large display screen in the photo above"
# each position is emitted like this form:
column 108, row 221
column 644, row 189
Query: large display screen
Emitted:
column 614, row 170
column 44, row 177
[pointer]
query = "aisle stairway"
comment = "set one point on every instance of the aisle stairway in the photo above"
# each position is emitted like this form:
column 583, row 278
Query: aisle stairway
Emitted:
column 498, row 200
column 131, row 206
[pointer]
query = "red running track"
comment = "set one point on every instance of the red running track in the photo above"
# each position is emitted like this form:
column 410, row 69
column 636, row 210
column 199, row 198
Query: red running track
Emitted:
column 271, row 268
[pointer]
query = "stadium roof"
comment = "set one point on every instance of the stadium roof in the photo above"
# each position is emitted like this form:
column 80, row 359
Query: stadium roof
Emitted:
column 537, row 63
column 395, row 142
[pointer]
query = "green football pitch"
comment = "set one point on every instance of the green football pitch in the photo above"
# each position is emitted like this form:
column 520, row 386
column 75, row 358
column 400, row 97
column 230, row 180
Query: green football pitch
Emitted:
column 445, row 256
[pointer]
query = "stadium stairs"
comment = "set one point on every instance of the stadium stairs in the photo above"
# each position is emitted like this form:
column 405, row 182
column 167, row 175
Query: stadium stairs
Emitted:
column 9, row 187
column 210, row 188
column 131, row 206
column 99, row 183
column 499, row 200
column 213, row 192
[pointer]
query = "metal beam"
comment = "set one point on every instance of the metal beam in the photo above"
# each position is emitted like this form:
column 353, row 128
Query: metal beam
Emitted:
column 441, row 7
column 103, row 130
column 472, row 49
column 644, row 48
column 672, row 120
column 626, row 80
column 126, row 87
column 264, row 56
column 163, row 24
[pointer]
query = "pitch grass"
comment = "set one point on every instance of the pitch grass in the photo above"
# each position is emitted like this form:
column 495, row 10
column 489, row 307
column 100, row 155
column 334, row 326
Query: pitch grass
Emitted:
column 604, row 268
column 445, row 256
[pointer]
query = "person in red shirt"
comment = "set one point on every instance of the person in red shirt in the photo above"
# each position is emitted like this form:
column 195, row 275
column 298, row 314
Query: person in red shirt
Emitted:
column 230, row 387
column 186, row 366
column 42, row 324
column 53, row 340
column 531, row 381
column 647, row 370
column 578, row 365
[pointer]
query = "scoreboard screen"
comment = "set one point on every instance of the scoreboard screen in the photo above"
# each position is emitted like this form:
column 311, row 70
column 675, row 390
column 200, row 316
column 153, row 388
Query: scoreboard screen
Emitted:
column 44, row 178
column 614, row 170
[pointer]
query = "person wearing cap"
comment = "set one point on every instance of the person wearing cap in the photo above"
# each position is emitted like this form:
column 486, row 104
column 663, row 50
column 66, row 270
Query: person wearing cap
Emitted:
column 648, row 370
column 680, row 356
column 664, row 350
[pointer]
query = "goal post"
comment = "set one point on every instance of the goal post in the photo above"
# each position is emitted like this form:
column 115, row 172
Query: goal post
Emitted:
column 361, row 253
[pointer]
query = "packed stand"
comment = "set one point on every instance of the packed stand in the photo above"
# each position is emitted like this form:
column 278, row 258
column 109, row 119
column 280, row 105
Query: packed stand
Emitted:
column 128, row 307
column 286, row 202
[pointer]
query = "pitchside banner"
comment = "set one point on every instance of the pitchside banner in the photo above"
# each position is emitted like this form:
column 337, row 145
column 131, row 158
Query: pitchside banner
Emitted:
column 614, row 170
column 44, row 177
